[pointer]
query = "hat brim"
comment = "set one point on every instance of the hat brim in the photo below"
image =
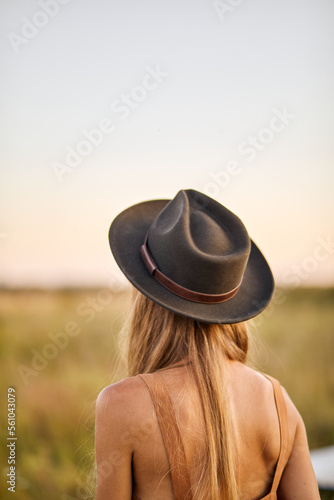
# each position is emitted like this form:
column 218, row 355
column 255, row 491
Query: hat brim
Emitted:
column 126, row 235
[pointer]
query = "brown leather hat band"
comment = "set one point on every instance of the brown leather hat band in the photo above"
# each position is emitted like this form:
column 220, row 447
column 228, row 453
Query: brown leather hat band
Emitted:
column 179, row 290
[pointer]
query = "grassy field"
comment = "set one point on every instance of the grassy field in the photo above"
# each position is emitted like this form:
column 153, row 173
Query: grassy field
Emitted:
column 58, row 350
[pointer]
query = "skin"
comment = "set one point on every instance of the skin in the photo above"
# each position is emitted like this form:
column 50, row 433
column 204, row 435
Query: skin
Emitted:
column 130, row 453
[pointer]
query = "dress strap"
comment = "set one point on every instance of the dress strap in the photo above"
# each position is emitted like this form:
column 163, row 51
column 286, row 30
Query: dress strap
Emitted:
column 170, row 434
column 284, row 432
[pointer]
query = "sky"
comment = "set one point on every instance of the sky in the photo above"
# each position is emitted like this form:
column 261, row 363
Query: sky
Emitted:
column 105, row 104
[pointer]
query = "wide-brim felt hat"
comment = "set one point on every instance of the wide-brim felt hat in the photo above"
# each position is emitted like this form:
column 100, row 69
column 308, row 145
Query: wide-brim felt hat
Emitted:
column 192, row 256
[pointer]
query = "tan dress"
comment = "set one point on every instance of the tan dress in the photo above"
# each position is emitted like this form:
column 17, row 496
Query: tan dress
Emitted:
column 173, row 441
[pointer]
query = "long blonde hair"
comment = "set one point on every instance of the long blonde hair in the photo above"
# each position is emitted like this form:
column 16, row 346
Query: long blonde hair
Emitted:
column 158, row 338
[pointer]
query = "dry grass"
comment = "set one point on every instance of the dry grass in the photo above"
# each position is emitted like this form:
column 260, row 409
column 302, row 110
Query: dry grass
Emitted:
column 55, row 405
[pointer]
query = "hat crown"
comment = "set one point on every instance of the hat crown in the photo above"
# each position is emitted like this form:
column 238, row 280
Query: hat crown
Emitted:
column 199, row 244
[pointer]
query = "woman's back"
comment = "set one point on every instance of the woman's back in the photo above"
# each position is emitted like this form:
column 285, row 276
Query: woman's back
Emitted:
column 198, row 277
column 255, row 422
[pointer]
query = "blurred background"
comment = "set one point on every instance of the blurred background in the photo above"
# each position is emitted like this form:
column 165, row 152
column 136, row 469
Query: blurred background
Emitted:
column 106, row 104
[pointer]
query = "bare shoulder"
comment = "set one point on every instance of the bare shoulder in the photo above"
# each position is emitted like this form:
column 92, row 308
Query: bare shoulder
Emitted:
column 293, row 413
column 260, row 388
column 252, row 389
column 123, row 405
column 123, row 418
column 123, row 389
column 119, row 430
column 123, row 401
